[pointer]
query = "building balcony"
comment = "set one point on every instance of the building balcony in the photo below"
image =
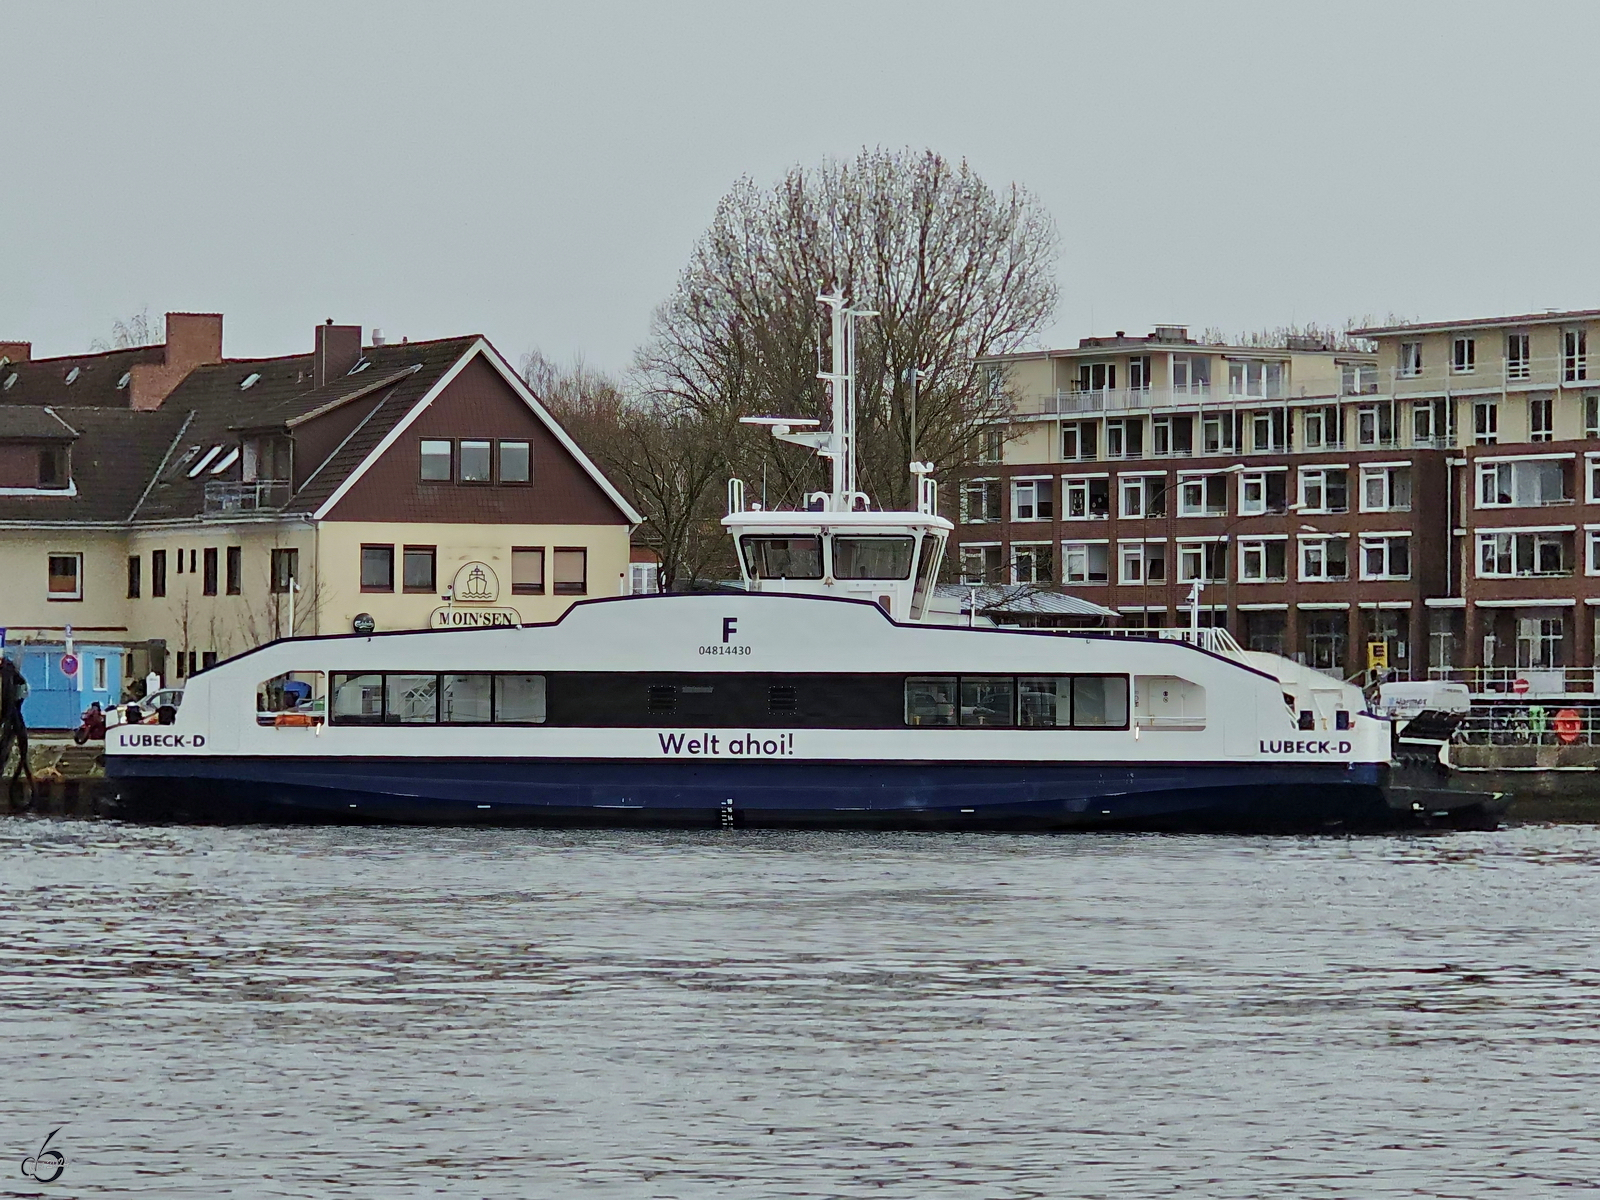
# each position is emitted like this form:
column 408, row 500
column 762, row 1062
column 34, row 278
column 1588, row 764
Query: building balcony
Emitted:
column 223, row 496
column 1069, row 402
column 1514, row 374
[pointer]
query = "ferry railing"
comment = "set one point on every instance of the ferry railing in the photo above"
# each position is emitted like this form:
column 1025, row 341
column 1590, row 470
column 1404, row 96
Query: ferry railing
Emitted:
column 1216, row 640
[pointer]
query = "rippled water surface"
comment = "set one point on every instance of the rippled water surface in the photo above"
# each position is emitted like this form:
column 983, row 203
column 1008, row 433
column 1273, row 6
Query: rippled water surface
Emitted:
column 392, row 1013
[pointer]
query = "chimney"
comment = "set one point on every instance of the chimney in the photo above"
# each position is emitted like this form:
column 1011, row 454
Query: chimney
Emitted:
column 338, row 349
column 377, row 337
column 16, row 351
column 193, row 340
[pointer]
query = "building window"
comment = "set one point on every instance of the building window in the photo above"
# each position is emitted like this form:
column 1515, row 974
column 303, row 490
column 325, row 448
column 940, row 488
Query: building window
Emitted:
column 1087, row 499
column 980, row 564
column 1432, row 423
column 417, row 569
column 1139, row 373
column 1324, row 490
column 1216, row 433
column 991, row 443
column 1574, row 355
column 1591, row 416
column 377, row 569
column 158, row 573
column 1191, row 375
column 980, row 501
column 1410, row 359
column 1032, row 500
column 1386, row 557
column 1592, row 470
column 644, row 578
column 66, row 577
column 475, row 461
column 1485, row 422
column 527, row 570
column 1464, row 355
column 1202, row 495
column 1539, row 483
column 1125, row 438
column 1033, row 563
column 1322, row 428
column 1142, row 562
column 1085, row 562
column 1262, row 380
column 1541, row 418
column 1375, row 425
column 1267, row 431
column 1358, row 379
column 208, row 659
column 1592, row 558
column 571, row 571
column 1323, row 560
column 1518, row 358
column 1097, row 377
column 235, row 570
column 516, row 462
column 53, row 466
column 1078, row 441
column 285, row 570
column 101, row 674
column 135, row 569
column 1385, row 489
column 1263, row 561
column 1262, row 492
column 1522, row 555
column 1144, row 496
column 209, row 582
column 436, row 461
column 1203, row 561
column 1171, row 436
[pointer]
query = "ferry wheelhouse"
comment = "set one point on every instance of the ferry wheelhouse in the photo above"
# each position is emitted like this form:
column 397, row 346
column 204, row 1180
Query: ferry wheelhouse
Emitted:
column 828, row 692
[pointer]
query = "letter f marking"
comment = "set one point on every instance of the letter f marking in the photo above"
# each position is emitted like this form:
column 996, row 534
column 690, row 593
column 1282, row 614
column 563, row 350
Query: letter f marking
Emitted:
column 729, row 626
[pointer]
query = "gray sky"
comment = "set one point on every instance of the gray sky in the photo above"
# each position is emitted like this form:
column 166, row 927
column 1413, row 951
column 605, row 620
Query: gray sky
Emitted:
column 538, row 173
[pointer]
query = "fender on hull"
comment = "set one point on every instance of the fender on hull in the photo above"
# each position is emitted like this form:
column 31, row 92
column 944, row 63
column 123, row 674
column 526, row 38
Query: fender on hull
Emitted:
column 971, row 796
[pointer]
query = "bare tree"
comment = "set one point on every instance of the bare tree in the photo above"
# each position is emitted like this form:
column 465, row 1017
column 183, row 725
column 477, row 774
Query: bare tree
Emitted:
column 1308, row 336
column 954, row 268
column 668, row 459
column 141, row 329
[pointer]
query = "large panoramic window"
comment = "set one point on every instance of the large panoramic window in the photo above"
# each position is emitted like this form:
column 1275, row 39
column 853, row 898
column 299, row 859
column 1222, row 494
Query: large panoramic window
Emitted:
column 1031, row 701
column 783, row 557
column 425, row 698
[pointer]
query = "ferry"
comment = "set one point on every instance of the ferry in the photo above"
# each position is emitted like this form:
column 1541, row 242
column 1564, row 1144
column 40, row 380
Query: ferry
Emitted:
column 831, row 691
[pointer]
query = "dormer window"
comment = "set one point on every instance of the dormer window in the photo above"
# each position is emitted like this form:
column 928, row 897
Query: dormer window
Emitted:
column 267, row 459
column 52, row 466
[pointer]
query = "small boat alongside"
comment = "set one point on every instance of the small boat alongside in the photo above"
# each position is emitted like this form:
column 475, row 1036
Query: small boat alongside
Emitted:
column 826, row 694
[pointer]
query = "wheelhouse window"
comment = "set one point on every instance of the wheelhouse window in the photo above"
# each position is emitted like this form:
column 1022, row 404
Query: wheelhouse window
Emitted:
column 783, row 557
column 475, row 464
column 436, row 460
column 418, row 569
column 572, row 571
column 516, row 462
column 873, row 557
column 377, row 569
column 425, row 698
column 527, row 570
column 65, row 577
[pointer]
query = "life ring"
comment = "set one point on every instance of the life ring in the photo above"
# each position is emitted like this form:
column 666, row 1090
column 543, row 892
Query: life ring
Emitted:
column 1568, row 725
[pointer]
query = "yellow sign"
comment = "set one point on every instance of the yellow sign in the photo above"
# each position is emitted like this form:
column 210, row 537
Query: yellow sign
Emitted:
column 1377, row 656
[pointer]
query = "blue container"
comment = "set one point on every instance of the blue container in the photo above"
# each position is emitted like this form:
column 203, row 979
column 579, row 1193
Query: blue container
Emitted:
column 56, row 700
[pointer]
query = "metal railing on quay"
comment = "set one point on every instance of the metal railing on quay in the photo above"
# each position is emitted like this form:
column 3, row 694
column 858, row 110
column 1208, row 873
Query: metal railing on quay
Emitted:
column 1534, row 724
column 1520, row 683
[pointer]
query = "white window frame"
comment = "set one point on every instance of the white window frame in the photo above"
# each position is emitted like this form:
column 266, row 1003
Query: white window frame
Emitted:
column 1574, row 355
column 1485, row 422
column 1256, row 547
column 1384, row 542
column 983, row 485
column 77, row 593
column 1463, row 354
column 1320, row 473
column 1410, row 360
column 1188, row 551
column 1385, row 472
column 1253, row 505
column 1519, row 355
column 1591, row 468
column 1310, row 544
column 962, row 550
column 1019, row 549
column 1488, row 537
column 1025, row 498
column 1591, row 552
column 1188, row 479
column 1081, row 550
column 1545, row 429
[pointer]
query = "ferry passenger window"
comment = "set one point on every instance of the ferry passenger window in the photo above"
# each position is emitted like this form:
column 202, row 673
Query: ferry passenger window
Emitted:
column 474, row 462
column 436, row 461
column 377, row 568
column 357, row 699
column 411, row 699
column 515, row 462
column 519, row 699
column 931, row 700
column 295, row 698
column 783, row 557
column 1044, row 701
column 527, row 570
column 873, row 557
column 465, row 699
column 986, row 700
column 1100, row 701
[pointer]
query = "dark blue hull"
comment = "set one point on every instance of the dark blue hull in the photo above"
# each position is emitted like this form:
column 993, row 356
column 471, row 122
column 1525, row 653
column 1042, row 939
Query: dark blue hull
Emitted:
column 1043, row 796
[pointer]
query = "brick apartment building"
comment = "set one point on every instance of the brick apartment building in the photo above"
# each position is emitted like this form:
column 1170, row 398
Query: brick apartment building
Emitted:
column 1441, row 495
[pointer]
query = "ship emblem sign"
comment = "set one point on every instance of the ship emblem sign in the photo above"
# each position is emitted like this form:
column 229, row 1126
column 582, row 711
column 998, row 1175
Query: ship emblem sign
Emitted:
column 476, row 583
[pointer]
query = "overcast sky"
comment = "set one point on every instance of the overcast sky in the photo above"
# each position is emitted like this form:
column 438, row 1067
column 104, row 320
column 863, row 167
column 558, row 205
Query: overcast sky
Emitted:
column 538, row 173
